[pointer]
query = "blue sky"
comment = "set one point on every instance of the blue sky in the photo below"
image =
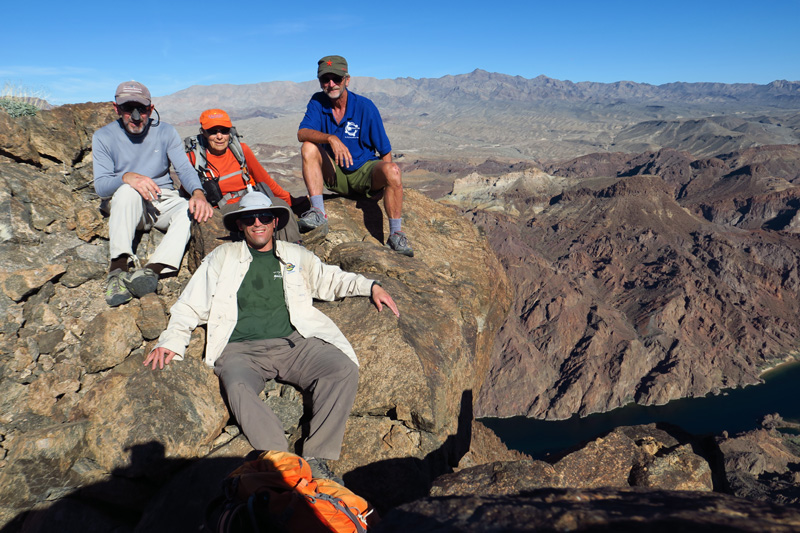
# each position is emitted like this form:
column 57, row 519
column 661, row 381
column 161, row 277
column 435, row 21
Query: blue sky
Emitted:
column 79, row 52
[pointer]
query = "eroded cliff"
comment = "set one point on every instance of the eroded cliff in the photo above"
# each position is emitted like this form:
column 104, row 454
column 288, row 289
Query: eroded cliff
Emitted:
column 636, row 287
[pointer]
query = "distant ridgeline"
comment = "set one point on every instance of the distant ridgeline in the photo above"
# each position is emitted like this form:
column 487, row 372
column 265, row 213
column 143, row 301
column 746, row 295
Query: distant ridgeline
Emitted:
column 496, row 115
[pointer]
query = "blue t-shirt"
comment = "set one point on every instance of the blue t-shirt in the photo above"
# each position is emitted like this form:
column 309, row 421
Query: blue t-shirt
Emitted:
column 115, row 152
column 361, row 129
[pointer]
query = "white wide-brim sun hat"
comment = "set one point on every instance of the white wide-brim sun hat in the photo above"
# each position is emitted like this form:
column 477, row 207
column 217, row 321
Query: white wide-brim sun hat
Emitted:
column 256, row 202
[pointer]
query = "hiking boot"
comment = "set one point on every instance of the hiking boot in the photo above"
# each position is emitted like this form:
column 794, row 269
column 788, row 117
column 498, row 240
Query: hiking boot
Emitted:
column 116, row 291
column 311, row 219
column 140, row 282
column 398, row 242
column 320, row 469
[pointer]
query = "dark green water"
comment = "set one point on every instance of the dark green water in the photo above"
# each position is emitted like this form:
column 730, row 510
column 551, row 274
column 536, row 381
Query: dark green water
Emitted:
column 733, row 410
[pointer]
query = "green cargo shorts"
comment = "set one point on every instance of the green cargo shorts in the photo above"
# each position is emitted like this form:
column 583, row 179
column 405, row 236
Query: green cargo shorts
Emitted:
column 358, row 181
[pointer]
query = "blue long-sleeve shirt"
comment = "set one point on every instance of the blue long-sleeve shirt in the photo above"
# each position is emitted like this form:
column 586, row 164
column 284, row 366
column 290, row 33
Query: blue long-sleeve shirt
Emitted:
column 115, row 152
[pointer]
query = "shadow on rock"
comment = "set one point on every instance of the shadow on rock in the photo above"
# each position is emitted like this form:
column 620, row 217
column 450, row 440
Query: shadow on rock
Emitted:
column 392, row 482
column 138, row 497
column 155, row 493
column 373, row 216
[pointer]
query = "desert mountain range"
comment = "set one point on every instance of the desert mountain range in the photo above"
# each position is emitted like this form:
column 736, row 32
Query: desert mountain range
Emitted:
column 482, row 114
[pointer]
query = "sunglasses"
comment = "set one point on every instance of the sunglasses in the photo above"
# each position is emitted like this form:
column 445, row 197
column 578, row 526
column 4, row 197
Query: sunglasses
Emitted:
column 130, row 108
column 264, row 218
column 220, row 129
column 328, row 77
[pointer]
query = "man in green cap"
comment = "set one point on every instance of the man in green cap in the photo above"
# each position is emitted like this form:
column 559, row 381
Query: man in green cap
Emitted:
column 345, row 148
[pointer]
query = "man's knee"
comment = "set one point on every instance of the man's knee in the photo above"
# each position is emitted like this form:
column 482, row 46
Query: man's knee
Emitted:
column 311, row 153
column 237, row 379
column 347, row 373
column 180, row 214
column 126, row 194
column 394, row 177
column 337, row 367
column 387, row 175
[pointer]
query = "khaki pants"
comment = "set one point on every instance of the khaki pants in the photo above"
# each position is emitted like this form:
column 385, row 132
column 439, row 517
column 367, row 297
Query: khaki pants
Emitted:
column 311, row 364
column 129, row 212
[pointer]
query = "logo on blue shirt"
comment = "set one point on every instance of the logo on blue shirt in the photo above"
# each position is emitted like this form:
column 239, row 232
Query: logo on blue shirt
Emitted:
column 351, row 130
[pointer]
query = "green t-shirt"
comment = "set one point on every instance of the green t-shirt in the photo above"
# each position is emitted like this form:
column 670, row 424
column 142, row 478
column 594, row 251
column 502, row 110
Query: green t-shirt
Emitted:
column 262, row 308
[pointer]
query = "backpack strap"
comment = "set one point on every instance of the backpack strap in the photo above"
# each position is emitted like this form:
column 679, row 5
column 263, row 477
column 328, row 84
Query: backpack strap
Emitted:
column 341, row 507
column 196, row 146
column 235, row 146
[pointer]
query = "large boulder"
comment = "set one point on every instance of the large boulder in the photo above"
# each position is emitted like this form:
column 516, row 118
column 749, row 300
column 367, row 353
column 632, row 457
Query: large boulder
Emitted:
column 178, row 411
column 59, row 137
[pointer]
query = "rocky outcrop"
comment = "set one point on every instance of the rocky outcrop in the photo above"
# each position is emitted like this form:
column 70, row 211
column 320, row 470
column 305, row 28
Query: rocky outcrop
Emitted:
column 639, row 478
column 763, row 464
column 89, row 435
column 59, row 138
column 626, row 292
column 591, row 510
column 629, row 456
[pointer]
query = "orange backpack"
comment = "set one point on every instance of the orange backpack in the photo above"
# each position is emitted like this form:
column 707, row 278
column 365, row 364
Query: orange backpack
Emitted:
column 276, row 493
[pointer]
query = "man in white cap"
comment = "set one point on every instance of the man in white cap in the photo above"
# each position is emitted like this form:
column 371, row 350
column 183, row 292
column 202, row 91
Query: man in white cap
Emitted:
column 256, row 297
column 131, row 158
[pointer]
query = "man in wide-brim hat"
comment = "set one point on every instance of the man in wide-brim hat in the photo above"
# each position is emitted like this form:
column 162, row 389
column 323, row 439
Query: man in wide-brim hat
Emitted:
column 256, row 296
column 253, row 203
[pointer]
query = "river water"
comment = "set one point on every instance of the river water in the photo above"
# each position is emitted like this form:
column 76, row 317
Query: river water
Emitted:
column 733, row 410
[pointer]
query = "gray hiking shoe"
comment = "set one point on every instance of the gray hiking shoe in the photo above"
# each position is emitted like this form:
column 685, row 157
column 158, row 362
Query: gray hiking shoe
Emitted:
column 116, row 291
column 398, row 242
column 320, row 469
column 140, row 282
column 311, row 219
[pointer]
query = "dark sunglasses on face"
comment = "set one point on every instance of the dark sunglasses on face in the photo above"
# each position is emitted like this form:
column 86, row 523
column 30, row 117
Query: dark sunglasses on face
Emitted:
column 130, row 108
column 220, row 129
column 264, row 218
column 328, row 77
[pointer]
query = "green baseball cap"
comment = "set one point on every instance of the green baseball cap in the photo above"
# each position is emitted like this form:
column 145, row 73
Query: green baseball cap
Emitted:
column 332, row 65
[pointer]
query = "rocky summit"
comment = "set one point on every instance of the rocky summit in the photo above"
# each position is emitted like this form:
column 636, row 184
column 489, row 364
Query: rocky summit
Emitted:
column 90, row 435
column 565, row 293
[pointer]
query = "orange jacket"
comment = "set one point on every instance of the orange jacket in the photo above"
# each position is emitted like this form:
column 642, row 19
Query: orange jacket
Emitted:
column 225, row 164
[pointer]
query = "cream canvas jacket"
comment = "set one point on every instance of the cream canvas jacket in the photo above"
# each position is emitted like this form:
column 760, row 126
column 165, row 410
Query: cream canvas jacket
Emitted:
column 210, row 298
